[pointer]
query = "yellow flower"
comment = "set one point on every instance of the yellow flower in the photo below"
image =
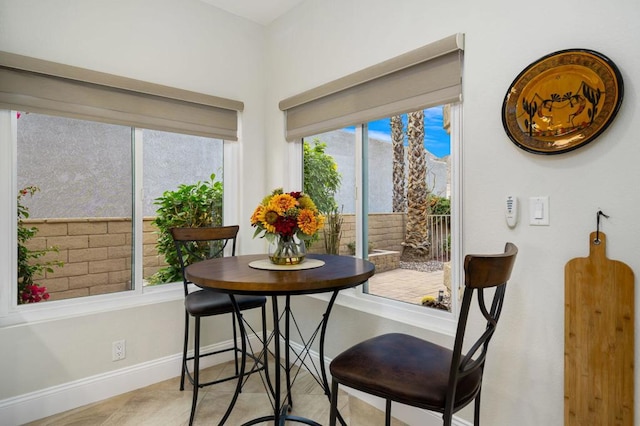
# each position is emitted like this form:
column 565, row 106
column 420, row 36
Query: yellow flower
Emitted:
column 307, row 222
column 267, row 217
column 282, row 202
column 427, row 299
column 307, row 203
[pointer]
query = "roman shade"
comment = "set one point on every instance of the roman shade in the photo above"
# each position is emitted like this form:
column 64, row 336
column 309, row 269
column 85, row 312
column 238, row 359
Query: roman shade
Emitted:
column 425, row 77
column 35, row 85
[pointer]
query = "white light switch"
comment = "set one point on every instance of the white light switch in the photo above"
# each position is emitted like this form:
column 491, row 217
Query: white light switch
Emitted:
column 539, row 210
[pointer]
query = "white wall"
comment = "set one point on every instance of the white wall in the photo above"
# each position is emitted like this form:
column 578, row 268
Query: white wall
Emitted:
column 324, row 39
column 190, row 45
column 185, row 44
column 181, row 43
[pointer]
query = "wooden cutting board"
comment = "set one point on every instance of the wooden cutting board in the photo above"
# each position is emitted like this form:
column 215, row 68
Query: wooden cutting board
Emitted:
column 598, row 358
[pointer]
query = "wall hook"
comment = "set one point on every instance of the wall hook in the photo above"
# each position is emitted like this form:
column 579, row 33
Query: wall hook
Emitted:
column 600, row 213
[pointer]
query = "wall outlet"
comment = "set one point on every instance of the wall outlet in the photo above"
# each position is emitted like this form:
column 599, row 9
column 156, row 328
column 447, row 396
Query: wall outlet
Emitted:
column 118, row 350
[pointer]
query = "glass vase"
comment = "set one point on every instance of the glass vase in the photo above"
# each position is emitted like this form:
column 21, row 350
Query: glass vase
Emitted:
column 287, row 250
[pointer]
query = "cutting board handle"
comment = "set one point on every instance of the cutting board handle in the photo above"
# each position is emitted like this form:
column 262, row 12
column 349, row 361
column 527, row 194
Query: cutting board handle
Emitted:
column 598, row 245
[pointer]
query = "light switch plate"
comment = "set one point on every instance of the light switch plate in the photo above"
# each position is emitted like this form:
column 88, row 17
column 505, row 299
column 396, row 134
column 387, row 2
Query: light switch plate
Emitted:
column 539, row 211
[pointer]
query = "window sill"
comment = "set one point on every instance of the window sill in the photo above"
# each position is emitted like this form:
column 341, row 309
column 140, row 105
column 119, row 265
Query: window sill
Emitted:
column 69, row 308
column 417, row 316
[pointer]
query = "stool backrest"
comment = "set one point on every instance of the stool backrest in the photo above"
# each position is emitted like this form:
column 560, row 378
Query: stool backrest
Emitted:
column 482, row 272
column 196, row 244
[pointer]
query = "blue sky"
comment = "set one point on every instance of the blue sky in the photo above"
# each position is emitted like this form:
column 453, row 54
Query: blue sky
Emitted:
column 436, row 139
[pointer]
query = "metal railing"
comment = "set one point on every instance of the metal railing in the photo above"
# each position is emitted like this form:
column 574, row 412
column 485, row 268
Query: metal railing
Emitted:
column 440, row 237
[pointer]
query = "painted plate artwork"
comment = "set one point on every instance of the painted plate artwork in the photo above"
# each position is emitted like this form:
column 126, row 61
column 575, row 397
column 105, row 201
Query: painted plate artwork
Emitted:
column 562, row 101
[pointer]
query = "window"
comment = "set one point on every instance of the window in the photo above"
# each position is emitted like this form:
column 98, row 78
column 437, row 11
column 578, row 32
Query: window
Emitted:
column 412, row 83
column 408, row 234
column 93, row 152
column 80, row 205
column 76, row 179
column 417, row 276
column 172, row 161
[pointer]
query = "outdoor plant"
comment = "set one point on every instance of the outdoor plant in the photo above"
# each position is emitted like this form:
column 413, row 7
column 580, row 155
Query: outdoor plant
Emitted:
column 321, row 176
column 333, row 232
column 321, row 181
column 439, row 205
column 29, row 268
column 432, row 302
column 196, row 205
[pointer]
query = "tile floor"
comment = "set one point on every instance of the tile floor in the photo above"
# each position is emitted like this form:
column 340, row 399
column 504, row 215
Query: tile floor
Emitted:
column 164, row 404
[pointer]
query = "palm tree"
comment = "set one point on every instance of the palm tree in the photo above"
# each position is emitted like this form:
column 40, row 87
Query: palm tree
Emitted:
column 397, row 138
column 416, row 244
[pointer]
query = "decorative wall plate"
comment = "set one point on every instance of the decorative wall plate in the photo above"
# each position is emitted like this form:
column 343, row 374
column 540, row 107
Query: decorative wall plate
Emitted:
column 562, row 101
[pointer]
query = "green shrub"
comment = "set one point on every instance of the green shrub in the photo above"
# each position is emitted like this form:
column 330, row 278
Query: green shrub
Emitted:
column 28, row 266
column 192, row 206
column 439, row 205
column 321, row 176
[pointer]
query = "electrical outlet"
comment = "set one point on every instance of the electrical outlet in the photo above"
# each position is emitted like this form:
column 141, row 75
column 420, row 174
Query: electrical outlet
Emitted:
column 118, row 350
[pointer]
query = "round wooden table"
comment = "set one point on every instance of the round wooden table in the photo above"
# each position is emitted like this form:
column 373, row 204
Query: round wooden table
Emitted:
column 234, row 275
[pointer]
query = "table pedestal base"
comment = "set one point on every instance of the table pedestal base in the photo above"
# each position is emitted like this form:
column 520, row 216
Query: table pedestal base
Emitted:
column 282, row 404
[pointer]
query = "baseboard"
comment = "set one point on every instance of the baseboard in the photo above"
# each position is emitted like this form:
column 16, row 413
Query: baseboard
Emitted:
column 47, row 402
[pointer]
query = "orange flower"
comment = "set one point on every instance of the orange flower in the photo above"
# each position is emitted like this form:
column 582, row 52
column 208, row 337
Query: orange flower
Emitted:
column 307, row 222
column 282, row 202
column 255, row 217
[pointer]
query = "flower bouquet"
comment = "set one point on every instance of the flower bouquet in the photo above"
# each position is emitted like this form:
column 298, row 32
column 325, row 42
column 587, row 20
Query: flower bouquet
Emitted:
column 287, row 220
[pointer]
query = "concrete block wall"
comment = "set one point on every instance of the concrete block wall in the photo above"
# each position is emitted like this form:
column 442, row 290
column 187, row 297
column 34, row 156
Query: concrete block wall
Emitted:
column 386, row 232
column 152, row 261
column 96, row 253
column 385, row 260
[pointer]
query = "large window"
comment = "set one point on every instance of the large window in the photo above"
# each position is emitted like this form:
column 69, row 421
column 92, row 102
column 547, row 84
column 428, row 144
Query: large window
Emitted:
column 75, row 181
column 76, row 198
column 86, row 156
column 406, row 198
column 412, row 83
column 177, row 169
column 408, row 237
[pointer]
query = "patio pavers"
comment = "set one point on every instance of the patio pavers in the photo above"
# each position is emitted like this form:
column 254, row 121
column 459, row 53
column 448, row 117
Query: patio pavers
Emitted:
column 407, row 285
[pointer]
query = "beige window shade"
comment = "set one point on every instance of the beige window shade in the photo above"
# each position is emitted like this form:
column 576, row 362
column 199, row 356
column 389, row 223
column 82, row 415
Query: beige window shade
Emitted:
column 28, row 84
column 425, row 77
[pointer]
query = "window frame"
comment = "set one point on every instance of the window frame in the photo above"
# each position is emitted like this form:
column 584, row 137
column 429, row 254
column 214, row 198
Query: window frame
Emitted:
column 11, row 313
column 116, row 100
column 430, row 319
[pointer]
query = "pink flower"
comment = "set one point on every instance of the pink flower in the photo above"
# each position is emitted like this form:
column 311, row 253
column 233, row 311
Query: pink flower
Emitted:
column 34, row 294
